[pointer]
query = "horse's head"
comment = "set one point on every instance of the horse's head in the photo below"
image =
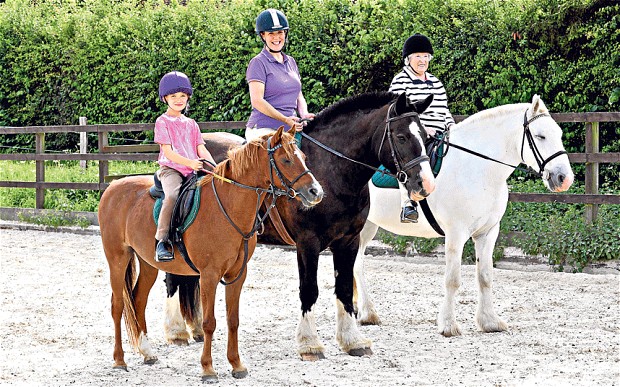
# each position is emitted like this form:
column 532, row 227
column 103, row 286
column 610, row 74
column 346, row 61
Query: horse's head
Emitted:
column 406, row 153
column 287, row 168
column 545, row 152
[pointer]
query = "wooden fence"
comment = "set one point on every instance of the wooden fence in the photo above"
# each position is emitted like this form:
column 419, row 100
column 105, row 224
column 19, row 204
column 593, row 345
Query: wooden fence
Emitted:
column 592, row 157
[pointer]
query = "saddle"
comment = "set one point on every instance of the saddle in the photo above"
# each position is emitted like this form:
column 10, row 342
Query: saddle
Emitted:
column 184, row 212
column 185, row 208
column 435, row 149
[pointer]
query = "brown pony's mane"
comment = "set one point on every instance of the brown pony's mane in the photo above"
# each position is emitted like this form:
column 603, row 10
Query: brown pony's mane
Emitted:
column 246, row 157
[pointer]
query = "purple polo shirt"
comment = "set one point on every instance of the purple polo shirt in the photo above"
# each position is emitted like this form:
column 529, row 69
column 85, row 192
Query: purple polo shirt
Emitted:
column 282, row 87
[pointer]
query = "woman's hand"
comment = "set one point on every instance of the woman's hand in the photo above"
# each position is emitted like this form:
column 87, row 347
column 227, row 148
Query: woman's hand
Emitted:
column 293, row 122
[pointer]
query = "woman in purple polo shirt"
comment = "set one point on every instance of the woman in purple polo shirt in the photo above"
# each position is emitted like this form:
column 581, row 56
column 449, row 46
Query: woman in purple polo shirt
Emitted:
column 274, row 81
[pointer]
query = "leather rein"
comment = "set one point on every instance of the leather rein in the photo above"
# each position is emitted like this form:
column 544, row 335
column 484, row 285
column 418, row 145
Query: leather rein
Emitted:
column 527, row 133
column 272, row 190
column 401, row 174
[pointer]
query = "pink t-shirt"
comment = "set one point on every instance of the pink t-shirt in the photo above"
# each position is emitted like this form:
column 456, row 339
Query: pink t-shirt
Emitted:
column 183, row 135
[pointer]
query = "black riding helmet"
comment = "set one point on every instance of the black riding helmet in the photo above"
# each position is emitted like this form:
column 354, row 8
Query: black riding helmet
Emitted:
column 271, row 20
column 417, row 43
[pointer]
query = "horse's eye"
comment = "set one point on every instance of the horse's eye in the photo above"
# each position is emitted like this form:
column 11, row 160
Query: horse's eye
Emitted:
column 401, row 138
column 540, row 137
column 287, row 161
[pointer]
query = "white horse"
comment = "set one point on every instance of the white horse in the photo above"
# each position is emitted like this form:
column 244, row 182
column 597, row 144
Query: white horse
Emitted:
column 470, row 199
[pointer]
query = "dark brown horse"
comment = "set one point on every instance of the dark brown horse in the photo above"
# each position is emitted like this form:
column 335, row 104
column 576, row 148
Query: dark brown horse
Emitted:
column 219, row 242
column 345, row 143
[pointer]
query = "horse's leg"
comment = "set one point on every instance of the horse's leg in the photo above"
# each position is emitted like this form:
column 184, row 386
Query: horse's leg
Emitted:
column 233, row 292
column 308, row 343
column 486, row 317
column 347, row 333
column 144, row 284
column 174, row 324
column 118, row 262
column 180, row 289
column 446, row 320
column 208, row 285
column 195, row 324
column 366, row 313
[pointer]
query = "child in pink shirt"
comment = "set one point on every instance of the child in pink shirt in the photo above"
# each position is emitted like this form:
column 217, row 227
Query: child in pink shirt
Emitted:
column 181, row 149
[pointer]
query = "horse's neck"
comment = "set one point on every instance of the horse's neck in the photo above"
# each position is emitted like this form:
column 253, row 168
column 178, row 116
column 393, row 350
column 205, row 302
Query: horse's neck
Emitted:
column 351, row 140
column 496, row 135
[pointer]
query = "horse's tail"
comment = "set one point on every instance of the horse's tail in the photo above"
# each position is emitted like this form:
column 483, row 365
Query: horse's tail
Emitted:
column 129, row 309
column 189, row 293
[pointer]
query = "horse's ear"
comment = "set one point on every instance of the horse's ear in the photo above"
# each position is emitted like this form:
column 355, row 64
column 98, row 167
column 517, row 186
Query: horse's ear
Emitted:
column 277, row 136
column 422, row 105
column 402, row 105
column 537, row 105
column 291, row 131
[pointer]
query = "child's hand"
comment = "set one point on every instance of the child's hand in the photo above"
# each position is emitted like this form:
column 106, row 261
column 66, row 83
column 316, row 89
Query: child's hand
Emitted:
column 196, row 165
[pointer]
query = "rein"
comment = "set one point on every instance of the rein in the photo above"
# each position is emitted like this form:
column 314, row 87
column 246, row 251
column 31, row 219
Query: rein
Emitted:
column 387, row 133
column 530, row 139
column 288, row 191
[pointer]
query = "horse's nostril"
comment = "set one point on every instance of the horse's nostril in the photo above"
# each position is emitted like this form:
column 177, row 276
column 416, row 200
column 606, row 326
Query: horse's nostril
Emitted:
column 561, row 178
column 314, row 192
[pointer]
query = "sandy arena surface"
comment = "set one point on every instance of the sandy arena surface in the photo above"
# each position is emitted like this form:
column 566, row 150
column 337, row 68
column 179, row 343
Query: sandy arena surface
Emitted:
column 57, row 330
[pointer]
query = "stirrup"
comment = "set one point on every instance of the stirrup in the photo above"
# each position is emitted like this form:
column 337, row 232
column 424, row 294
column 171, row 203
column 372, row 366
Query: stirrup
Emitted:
column 409, row 214
column 162, row 253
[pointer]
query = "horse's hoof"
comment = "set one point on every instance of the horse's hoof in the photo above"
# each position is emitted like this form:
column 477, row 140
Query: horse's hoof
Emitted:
column 122, row 367
column 209, row 379
column 239, row 374
column 199, row 339
column 360, row 352
column 150, row 360
column 370, row 320
column 179, row 342
column 312, row 356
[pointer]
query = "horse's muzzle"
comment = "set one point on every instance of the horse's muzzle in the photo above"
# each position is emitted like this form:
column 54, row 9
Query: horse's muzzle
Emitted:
column 310, row 195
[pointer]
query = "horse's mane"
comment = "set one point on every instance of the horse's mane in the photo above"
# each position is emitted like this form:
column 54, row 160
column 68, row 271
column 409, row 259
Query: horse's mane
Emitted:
column 490, row 114
column 360, row 102
column 244, row 158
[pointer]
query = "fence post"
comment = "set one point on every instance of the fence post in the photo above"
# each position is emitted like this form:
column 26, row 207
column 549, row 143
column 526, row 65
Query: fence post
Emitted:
column 103, row 164
column 83, row 143
column 592, row 146
column 40, row 170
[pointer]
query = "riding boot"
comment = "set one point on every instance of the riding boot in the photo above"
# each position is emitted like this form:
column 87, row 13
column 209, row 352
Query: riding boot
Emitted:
column 163, row 251
column 409, row 213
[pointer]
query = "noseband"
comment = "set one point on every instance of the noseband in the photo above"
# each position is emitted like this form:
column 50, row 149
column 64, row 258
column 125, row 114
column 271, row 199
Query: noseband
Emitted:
column 288, row 185
column 401, row 174
column 527, row 133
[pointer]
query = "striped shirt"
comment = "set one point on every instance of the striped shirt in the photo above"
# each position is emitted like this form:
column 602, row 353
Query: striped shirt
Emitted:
column 437, row 116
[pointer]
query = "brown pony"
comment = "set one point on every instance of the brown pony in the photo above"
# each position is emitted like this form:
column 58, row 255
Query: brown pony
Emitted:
column 214, row 241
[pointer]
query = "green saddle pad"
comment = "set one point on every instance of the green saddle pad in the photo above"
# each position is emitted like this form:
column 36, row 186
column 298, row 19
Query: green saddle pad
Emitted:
column 382, row 180
column 191, row 216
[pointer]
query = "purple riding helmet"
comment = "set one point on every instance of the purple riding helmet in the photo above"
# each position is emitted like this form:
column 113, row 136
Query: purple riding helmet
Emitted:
column 174, row 82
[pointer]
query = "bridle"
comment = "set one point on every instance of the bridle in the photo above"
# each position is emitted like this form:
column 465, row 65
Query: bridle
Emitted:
column 275, row 192
column 287, row 184
column 401, row 174
column 527, row 133
column 401, row 170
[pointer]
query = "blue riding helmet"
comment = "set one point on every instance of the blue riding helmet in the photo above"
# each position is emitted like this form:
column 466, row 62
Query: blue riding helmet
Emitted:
column 174, row 82
column 271, row 20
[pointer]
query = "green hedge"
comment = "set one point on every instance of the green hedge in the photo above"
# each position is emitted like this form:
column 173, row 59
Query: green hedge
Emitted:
column 102, row 59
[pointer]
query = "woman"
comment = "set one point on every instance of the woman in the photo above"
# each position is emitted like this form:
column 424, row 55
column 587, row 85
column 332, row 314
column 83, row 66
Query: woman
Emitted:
column 274, row 81
column 418, row 83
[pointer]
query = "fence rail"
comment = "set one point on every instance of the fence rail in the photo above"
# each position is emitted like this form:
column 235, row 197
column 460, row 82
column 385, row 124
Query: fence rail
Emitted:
column 145, row 152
